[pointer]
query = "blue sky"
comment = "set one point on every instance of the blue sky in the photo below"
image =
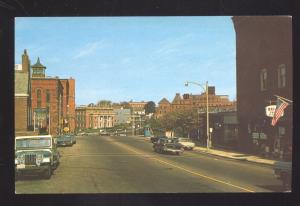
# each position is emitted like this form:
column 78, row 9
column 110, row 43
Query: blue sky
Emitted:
column 132, row 58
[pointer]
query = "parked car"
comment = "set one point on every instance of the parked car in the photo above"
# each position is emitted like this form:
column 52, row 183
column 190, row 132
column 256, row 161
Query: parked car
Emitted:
column 283, row 170
column 155, row 138
column 64, row 140
column 186, row 143
column 73, row 139
column 35, row 154
column 168, row 145
column 104, row 133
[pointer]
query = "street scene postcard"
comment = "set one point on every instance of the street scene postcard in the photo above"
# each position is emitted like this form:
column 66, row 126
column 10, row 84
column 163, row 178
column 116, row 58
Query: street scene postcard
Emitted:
column 182, row 104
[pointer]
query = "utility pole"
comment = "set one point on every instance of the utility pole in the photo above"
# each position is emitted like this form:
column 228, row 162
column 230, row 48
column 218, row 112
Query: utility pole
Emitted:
column 208, row 139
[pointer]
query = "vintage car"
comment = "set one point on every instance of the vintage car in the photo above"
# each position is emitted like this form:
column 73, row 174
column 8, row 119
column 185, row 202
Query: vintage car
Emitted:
column 155, row 138
column 168, row 145
column 35, row 154
column 186, row 143
column 64, row 140
column 73, row 139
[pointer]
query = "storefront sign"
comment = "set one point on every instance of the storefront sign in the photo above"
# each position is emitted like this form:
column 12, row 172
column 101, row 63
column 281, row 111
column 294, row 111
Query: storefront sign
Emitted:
column 270, row 110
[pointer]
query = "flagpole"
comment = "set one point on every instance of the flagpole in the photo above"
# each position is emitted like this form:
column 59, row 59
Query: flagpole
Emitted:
column 284, row 99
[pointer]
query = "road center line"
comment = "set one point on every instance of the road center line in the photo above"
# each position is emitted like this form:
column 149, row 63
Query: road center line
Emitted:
column 184, row 169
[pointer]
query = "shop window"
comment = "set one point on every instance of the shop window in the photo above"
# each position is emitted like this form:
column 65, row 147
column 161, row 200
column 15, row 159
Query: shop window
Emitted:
column 281, row 74
column 263, row 80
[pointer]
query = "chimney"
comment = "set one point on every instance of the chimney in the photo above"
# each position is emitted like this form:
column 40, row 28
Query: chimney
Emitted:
column 25, row 62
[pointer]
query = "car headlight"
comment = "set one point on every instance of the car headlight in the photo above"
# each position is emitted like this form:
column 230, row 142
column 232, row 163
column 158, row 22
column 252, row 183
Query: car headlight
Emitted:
column 21, row 159
column 46, row 159
column 39, row 157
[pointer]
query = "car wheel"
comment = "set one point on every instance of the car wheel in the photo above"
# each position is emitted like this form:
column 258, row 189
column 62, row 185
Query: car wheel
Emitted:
column 48, row 173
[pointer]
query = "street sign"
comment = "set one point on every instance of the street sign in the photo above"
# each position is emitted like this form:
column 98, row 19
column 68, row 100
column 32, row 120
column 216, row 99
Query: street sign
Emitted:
column 270, row 110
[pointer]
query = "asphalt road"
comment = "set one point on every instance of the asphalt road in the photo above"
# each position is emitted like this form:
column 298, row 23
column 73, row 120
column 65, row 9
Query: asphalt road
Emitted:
column 103, row 164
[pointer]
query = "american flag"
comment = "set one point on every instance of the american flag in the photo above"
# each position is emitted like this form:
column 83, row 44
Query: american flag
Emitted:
column 281, row 105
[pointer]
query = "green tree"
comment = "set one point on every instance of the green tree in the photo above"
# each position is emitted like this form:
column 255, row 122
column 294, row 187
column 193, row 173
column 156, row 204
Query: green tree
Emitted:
column 103, row 103
column 182, row 122
column 125, row 105
column 150, row 107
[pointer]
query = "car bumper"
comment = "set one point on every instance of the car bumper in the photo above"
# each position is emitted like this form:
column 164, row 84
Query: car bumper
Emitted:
column 174, row 151
column 31, row 168
column 64, row 143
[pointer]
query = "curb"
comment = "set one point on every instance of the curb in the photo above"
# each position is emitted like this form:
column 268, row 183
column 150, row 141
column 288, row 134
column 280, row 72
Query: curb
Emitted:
column 246, row 158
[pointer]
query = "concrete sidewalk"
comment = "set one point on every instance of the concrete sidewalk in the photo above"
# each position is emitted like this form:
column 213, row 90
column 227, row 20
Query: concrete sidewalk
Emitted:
column 235, row 155
column 230, row 154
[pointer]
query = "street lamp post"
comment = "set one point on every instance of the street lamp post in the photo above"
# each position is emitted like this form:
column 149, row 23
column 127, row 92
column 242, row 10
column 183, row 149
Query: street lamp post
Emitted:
column 207, row 114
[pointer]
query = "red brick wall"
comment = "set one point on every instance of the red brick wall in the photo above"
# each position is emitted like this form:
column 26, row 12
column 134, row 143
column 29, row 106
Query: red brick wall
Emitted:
column 53, row 86
column 20, row 113
column 72, row 104
column 262, row 42
column 69, row 99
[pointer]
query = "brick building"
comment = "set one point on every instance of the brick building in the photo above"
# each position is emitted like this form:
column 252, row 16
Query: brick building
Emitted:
column 264, row 69
column 94, row 117
column 53, row 101
column 69, row 102
column 22, row 95
column 216, row 103
column 138, row 107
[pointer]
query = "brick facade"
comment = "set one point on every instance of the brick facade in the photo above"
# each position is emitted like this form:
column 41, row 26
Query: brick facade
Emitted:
column 216, row 103
column 21, row 113
column 22, row 95
column 53, row 103
column 69, row 102
column 95, row 117
column 263, row 46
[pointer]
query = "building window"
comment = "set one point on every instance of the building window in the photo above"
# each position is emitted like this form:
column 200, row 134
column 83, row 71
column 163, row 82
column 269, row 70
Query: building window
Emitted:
column 281, row 74
column 47, row 96
column 39, row 98
column 263, row 80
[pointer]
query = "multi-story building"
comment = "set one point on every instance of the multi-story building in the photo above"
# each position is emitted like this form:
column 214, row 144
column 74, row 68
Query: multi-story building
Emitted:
column 23, row 108
column 94, row 117
column 264, row 69
column 123, row 116
column 69, row 102
column 138, row 107
column 47, row 101
column 138, row 115
column 53, row 102
column 216, row 103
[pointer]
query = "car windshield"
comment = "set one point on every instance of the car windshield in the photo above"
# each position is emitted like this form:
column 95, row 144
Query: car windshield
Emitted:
column 169, row 140
column 33, row 143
